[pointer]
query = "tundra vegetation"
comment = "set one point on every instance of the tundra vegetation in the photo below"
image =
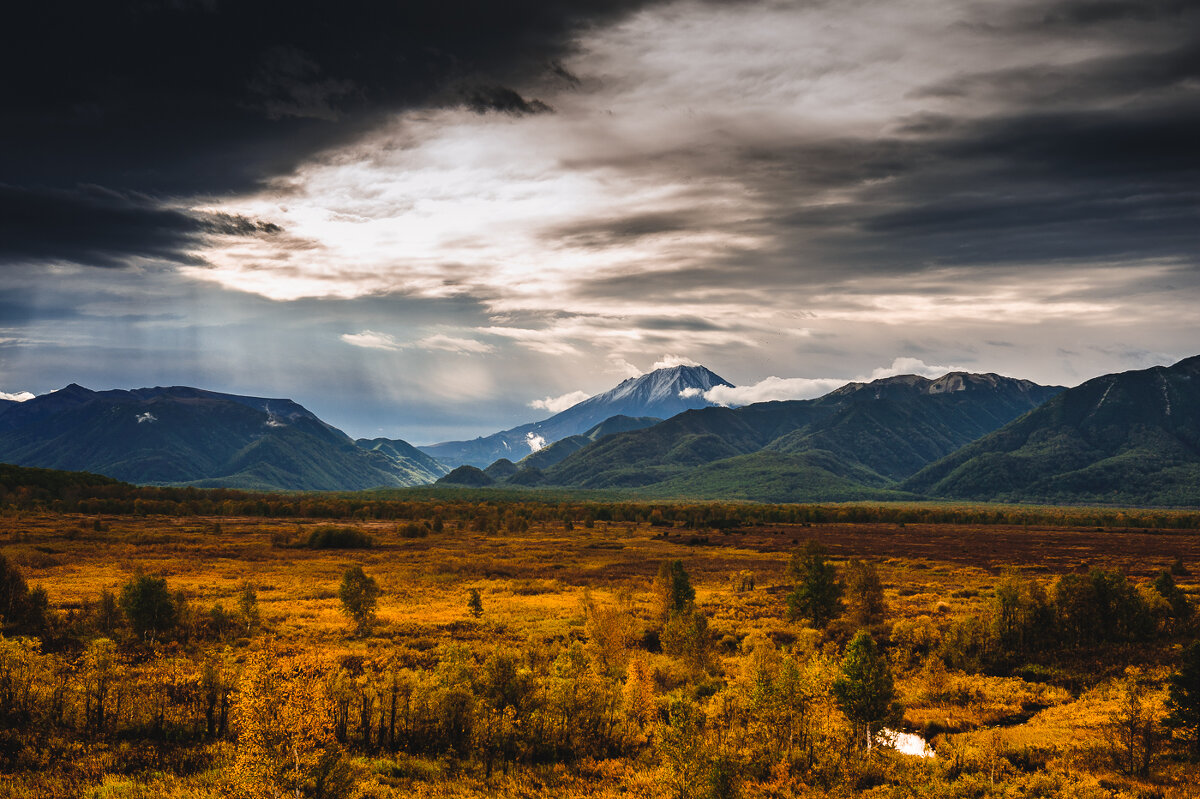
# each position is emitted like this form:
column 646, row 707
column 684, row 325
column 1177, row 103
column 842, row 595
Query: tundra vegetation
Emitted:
column 313, row 646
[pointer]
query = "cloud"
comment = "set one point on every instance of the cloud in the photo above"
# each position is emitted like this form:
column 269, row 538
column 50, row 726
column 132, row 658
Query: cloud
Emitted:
column 549, row 341
column 535, row 441
column 482, row 99
column 909, row 366
column 772, row 188
column 278, row 95
column 288, row 83
column 146, row 417
column 623, row 367
column 463, row 346
column 560, row 403
column 96, row 226
column 371, row 340
column 18, row 396
column 669, row 361
column 773, row 388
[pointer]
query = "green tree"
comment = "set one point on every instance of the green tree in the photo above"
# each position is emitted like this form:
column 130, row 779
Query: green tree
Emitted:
column 149, row 606
column 1021, row 614
column 1183, row 698
column 1181, row 609
column 673, row 589
column 817, row 596
column 475, row 603
column 865, row 691
column 360, row 596
column 21, row 608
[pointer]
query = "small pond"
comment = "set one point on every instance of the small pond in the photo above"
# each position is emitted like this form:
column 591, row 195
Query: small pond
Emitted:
column 908, row 743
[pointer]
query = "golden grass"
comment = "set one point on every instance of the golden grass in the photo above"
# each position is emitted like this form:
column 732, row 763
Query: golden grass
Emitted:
column 533, row 587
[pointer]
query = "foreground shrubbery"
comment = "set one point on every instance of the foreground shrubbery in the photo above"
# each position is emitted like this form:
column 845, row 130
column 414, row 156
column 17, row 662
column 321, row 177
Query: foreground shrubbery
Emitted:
column 142, row 690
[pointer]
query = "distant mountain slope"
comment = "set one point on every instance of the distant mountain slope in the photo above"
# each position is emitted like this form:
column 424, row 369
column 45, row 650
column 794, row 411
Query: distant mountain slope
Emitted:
column 467, row 475
column 654, row 394
column 767, row 476
column 551, row 454
column 910, row 421
column 182, row 435
column 1131, row 438
column 49, row 482
column 408, row 459
column 886, row 429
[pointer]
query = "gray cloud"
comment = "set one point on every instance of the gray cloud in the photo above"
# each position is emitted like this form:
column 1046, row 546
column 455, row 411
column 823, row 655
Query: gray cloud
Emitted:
column 177, row 99
column 96, row 226
column 777, row 189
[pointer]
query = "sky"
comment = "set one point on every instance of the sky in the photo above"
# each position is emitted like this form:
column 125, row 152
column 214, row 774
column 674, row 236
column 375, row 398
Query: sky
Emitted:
column 432, row 221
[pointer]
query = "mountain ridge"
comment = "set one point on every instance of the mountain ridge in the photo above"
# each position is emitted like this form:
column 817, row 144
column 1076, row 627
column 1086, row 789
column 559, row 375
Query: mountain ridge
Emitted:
column 868, row 426
column 181, row 435
column 1125, row 437
column 657, row 393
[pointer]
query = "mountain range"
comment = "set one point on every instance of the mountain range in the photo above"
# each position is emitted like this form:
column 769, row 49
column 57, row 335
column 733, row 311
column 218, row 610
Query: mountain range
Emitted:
column 188, row 436
column 1130, row 438
column 661, row 394
column 857, row 442
column 1127, row 438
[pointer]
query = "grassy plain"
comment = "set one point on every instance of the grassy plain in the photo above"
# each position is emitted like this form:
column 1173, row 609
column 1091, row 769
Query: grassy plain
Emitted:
column 1042, row 728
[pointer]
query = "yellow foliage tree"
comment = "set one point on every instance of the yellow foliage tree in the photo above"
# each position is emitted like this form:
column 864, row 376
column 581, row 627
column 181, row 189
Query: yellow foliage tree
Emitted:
column 640, row 694
column 286, row 745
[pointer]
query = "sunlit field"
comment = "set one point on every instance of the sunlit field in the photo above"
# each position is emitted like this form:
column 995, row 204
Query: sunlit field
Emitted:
column 527, row 650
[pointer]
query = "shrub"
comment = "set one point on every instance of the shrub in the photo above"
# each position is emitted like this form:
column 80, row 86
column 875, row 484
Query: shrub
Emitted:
column 328, row 536
column 149, row 606
column 413, row 530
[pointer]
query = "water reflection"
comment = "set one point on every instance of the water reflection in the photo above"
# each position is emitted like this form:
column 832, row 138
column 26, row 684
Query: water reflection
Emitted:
column 907, row 743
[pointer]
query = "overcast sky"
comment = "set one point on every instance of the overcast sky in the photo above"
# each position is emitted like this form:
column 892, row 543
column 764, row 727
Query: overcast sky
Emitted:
column 435, row 223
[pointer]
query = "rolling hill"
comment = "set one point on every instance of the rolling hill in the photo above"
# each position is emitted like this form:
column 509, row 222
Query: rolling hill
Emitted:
column 1128, row 438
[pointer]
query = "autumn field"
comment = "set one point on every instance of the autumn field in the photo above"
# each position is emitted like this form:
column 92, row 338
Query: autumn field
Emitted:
column 523, row 649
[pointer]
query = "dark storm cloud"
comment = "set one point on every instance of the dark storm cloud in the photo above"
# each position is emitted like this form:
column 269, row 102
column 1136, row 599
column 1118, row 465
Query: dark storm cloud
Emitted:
column 1136, row 78
column 1088, row 12
column 1093, row 184
column 174, row 98
column 1091, row 161
column 98, row 227
column 484, row 98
